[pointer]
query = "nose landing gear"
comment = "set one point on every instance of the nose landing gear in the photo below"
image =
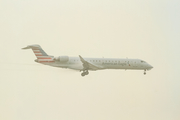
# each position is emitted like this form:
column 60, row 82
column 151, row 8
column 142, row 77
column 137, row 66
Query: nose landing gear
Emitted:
column 85, row 72
column 144, row 72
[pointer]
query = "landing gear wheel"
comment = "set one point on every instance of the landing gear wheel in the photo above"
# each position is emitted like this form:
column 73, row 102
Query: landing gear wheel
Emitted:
column 86, row 72
column 83, row 74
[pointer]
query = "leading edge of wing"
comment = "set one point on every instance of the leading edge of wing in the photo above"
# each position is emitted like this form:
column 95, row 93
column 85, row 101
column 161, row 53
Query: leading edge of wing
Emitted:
column 88, row 65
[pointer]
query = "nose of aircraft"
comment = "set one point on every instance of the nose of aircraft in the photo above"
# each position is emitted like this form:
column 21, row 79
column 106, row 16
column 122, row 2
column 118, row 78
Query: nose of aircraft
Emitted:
column 150, row 66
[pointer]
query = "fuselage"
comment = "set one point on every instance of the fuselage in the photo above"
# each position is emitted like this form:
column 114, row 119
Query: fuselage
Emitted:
column 105, row 63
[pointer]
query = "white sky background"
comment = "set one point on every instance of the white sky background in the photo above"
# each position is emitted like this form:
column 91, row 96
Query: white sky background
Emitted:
column 144, row 29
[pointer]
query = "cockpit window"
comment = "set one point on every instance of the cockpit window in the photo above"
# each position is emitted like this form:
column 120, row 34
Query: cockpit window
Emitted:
column 143, row 61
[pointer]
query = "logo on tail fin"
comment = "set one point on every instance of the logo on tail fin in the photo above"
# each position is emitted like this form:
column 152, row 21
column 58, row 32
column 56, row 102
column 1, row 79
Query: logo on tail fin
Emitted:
column 41, row 55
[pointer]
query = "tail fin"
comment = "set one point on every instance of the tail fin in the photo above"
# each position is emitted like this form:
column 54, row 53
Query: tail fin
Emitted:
column 41, row 55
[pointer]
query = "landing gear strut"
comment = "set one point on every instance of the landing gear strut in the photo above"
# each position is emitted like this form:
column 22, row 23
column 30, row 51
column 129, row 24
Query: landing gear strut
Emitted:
column 85, row 72
column 144, row 72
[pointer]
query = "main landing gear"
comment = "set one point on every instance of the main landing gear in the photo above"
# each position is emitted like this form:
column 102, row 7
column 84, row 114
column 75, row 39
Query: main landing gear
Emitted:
column 85, row 72
column 144, row 72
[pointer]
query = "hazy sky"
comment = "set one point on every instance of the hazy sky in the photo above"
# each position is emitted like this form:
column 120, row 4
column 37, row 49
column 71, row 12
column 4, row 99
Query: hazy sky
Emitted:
column 144, row 29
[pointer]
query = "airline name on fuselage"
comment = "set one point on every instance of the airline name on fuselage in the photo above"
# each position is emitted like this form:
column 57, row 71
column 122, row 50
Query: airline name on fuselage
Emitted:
column 106, row 63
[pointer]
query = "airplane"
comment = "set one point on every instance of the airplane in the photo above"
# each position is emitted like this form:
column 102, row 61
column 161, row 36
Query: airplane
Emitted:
column 87, row 64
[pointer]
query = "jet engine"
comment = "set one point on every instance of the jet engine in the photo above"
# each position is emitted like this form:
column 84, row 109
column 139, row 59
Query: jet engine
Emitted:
column 62, row 59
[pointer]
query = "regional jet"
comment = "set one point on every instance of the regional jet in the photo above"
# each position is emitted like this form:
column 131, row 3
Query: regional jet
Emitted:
column 86, row 64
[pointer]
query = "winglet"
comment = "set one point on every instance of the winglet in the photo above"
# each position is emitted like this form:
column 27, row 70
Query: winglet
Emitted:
column 26, row 47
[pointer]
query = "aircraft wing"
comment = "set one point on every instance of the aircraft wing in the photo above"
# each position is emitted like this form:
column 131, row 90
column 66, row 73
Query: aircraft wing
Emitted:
column 89, row 66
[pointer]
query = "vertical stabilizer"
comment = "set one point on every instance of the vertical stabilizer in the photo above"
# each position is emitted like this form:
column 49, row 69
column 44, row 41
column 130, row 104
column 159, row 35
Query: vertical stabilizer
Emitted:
column 41, row 55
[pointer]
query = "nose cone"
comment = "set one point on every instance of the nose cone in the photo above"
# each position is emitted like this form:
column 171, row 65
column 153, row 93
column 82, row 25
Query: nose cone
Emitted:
column 150, row 66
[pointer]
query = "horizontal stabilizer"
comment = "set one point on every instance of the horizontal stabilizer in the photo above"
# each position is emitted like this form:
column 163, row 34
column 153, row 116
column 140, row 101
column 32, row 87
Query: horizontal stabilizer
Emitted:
column 32, row 46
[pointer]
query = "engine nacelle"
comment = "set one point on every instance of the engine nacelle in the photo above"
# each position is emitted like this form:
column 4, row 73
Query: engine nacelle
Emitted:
column 62, row 59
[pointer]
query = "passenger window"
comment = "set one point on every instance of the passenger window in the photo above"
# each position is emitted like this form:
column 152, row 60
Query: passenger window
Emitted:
column 142, row 61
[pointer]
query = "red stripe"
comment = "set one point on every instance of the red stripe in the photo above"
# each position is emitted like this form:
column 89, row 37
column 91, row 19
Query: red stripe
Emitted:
column 44, row 58
column 46, row 61
column 39, row 55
